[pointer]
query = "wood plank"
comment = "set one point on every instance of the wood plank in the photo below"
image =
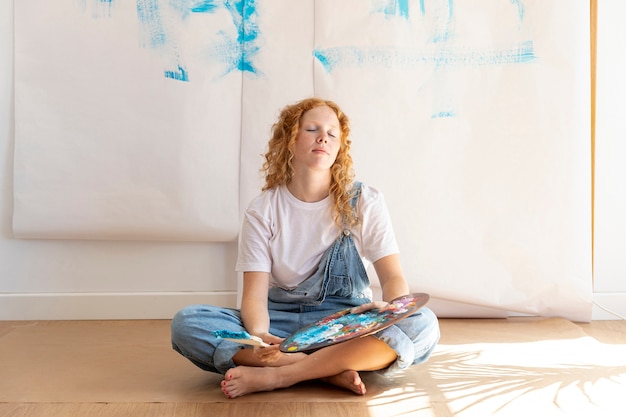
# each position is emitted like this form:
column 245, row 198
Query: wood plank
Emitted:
column 126, row 368
column 226, row 409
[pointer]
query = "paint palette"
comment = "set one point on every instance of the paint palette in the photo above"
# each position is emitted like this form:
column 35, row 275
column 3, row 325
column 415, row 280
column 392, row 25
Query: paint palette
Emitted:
column 344, row 325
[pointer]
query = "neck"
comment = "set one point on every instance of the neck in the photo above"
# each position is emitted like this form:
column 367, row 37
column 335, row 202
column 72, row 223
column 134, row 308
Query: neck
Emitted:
column 310, row 190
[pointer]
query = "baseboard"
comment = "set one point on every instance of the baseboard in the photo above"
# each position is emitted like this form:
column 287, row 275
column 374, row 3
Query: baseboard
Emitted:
column 106, row 306
column 163, row 305
column 614, row 302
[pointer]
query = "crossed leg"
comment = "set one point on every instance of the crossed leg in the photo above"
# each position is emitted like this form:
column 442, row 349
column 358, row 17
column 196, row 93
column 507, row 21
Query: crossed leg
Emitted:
column 338, row 365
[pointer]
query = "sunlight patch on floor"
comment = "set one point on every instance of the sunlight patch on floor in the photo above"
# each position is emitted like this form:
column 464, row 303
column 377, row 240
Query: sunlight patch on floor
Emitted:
column 573, row 377
column 402, row 402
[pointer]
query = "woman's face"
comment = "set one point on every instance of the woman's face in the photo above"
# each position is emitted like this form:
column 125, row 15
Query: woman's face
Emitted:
column 318, row 140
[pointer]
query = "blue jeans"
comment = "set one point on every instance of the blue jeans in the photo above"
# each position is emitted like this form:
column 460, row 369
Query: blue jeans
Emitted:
column 339, row 283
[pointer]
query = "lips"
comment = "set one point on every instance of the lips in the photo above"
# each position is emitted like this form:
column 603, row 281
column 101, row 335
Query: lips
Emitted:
column 320, row 150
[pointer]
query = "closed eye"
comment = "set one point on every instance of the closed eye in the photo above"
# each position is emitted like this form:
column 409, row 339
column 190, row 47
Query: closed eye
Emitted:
column 333, row 134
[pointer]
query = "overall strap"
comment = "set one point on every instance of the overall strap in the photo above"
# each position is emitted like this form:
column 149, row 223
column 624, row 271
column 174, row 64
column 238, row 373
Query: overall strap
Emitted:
column 356, row 193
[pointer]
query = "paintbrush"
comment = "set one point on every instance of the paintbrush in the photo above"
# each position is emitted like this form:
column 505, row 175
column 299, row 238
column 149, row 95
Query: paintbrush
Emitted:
column 243, row 337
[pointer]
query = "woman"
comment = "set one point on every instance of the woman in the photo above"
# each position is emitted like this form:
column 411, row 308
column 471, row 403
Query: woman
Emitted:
column 300, row 253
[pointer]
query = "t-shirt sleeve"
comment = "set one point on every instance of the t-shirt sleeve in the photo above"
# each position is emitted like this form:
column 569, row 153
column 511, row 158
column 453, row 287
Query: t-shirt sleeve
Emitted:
column 377, row 235
column 256, row 232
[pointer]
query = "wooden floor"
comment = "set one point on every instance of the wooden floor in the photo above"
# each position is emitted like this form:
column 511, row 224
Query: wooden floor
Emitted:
column 483, row 367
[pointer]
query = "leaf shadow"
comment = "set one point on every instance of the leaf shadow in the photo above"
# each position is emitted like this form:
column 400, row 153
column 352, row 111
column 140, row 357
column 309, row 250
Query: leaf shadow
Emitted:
column 460, row 381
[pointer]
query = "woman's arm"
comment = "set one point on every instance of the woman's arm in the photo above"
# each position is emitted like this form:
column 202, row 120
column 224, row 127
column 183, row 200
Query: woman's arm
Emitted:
column 392, row 282
column 254, row 312
column 391, row 277
column 256, row 320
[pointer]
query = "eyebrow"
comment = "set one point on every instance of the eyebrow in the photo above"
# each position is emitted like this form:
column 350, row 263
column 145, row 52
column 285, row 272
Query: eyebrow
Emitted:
column 318, row 123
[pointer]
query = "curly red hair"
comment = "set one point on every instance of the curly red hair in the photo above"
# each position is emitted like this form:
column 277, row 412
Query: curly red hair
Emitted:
column 278, row 167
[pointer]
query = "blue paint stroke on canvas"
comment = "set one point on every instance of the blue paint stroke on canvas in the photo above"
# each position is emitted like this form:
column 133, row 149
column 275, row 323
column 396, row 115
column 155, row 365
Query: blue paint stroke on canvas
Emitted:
column 187, row 7
column 154, row 35
column 443, row 18
column 442, row 114
column 442, row 34
column 235, row 49
column 236, row 52
column 100, row 9
column 440, row 54
column 245, row 47
column 521, row 10
column 203, row 6
column 157, row 20
column 349, row 56
column 391, row 8
column 152, row 32
column 180, row 74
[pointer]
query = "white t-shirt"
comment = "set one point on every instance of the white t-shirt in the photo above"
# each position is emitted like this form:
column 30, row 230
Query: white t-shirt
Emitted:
column 287, row 237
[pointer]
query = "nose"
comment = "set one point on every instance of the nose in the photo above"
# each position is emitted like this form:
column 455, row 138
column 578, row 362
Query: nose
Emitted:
column 322, row 138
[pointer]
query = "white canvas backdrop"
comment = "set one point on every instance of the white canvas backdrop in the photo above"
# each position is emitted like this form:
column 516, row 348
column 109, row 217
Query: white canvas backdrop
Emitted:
column 128, row 121
column 476, row 126
column 610, row 178
column 471, row 116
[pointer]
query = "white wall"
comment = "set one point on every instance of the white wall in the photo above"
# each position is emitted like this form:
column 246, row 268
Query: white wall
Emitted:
column 610, row 189
column 53, row 279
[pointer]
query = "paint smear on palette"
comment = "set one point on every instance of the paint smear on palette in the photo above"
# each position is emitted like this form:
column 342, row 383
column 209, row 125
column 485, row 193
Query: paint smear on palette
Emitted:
column 344, row 325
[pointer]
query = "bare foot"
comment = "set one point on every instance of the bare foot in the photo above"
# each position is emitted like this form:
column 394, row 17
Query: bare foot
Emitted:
column 350, row 380
column 246, row 379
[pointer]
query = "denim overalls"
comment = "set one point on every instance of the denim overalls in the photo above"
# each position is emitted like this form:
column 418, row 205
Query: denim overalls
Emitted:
column 339, row 282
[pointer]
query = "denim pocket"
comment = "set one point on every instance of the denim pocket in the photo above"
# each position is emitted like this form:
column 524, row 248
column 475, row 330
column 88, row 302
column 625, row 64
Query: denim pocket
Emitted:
column 339, row 286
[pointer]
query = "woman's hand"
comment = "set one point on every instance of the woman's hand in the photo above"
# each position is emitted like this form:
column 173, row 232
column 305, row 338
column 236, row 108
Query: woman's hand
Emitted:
column 381, row 305
column 271, row 353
